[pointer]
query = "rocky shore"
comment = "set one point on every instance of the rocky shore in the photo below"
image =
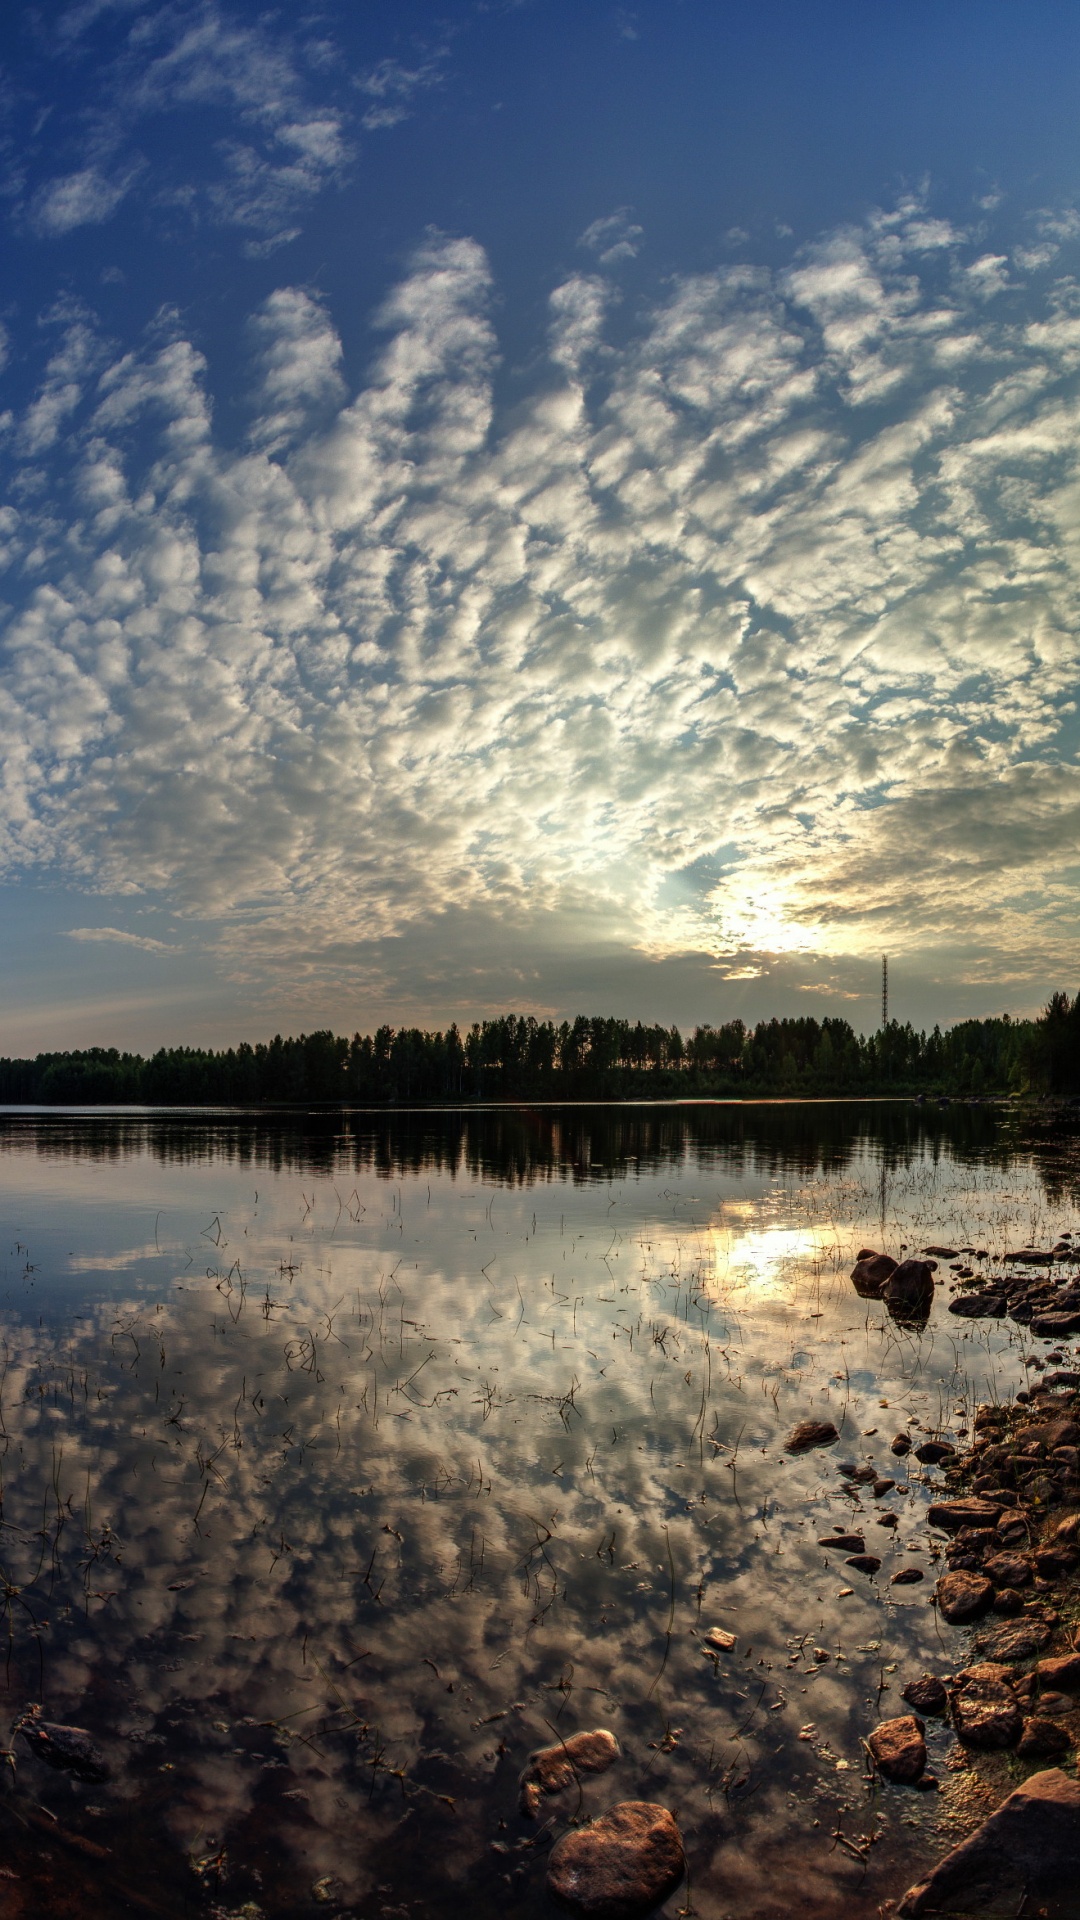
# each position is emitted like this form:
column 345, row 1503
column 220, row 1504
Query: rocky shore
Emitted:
column 1008, row 1511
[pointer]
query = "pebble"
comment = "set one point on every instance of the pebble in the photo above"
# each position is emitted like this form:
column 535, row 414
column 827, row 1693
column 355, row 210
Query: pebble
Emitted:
column 550, row 1769
column 811, row 1433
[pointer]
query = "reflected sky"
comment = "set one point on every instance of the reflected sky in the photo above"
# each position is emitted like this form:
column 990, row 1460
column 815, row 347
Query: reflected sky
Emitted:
column 343, row 1465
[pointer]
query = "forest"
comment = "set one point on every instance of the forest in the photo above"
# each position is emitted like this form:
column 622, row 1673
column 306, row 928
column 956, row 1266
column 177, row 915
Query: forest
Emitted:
column 519, row 1058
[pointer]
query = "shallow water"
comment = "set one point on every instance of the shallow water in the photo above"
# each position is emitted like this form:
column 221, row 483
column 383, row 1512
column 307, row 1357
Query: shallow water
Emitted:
column 347, row 1459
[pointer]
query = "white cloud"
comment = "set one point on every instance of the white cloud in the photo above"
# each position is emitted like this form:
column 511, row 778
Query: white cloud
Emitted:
column 615, row 237
column 402, row 680
column 117, row 937
column 82, row 199
column 391, row 87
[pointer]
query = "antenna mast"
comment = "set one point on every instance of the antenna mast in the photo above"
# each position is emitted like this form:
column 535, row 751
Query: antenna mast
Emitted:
column 884, row 990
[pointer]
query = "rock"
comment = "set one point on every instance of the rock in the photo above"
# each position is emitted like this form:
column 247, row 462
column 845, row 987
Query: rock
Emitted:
column 1042, row 1739
column 809, row 1433
column 719, row 1640
column 899, row 1749
column 962, row 1595
column 1055, row 1326
column 871, row 1273
column 909, row 1293
column 933, row 1452
column 1007, row 1569
column 985, row 1304
column 844, row 1542
column 926, row 1694
column 68, row 1749
column 1033, row 1836
column 881, row 1486
column 863, row 1562
column 620, row 1866
column 1030, row 1257
column 1053, row 1562
column 1061, row 1673
column 951, row 1515
column 900, row 1444
column 941, row 1253
column 550, row 1769
column 1008, row 1601
column 985, row 1711
column 1021, row 1642
column 907, row 1577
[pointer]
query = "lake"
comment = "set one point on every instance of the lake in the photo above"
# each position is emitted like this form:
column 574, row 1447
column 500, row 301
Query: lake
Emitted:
column 346, row 1458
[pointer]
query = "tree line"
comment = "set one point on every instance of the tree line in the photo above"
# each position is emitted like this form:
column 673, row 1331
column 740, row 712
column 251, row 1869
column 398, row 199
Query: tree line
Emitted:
column 517, row 1057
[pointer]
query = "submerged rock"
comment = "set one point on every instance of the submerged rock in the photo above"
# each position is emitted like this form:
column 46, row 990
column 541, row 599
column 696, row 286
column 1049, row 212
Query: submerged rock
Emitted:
column 1034, row 1837
column 811, row 1433
column 620, row 1866
column 550, row 1769
column 926, row 1694
column 899, row 1749
column 68, row 1749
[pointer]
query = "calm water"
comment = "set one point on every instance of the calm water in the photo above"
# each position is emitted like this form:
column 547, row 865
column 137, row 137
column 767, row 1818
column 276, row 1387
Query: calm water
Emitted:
column 345, row 1460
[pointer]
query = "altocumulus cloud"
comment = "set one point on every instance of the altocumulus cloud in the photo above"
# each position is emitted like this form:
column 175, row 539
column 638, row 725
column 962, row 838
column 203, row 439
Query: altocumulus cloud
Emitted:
column 754, row 633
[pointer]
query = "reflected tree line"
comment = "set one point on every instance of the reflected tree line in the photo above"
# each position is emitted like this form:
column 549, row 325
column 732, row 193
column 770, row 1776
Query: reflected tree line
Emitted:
column 517, row 1057
column 524, row 1145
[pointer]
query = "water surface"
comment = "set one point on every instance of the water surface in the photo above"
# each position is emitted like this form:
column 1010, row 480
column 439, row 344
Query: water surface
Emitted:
column 347, row 1458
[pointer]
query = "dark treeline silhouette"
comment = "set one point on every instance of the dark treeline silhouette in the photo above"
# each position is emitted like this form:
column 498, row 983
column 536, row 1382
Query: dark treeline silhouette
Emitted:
column 519, row 1058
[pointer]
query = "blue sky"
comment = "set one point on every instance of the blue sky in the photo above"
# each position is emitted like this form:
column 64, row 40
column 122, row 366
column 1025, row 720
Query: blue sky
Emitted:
column 536, row 506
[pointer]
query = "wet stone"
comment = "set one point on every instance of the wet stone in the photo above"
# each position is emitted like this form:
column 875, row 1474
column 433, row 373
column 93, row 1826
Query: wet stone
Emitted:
column 863, row 1562
column 620, row 1866
column 1008, row 1569
column 899, row 1749
column 67, row 1749
column 871, row 1273
column 932, row 1452
column 1062, row 1673
column 1008, row 1601
column 963, row 1595
column 844, row 1542
column 900, row 1444
column 811, row 1433
column 926, row 1694
column 907, row 1577
column 550, row 1769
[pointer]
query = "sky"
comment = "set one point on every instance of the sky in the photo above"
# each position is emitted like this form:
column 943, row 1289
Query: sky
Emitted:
column 540, row 507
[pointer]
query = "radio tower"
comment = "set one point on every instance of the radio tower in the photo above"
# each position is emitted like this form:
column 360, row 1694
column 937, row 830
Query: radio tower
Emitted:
column 884, row 990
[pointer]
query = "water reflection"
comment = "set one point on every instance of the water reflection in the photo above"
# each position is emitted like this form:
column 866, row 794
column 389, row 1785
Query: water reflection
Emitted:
column 345, row 1461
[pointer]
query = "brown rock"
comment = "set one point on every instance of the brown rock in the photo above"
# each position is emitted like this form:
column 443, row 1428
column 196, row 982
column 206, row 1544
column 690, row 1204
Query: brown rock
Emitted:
column 951, row 1515
column 985, row 1712
column 933, row 1452
column 1008, row 1601
column 1042, row 1739
column 899, row 1749
column 907, row 1577
column 963, row 1595
column 900, row 1444
column 550, row 1769
column 870, row 1274
column 1007, row 1569
column 1021, row 1642
column 810, row 1433
column 621, row 1865
column 1034, row 1836
column 863, row 1562
column 844, row 1542
column 926, row 1694
column 909, row 1293
column 1062, row 1673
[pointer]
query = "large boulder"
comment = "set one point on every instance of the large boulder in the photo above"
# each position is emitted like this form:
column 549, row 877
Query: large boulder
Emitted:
column 909, row 1293
column 620, row 1866
column 1032, row 1839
